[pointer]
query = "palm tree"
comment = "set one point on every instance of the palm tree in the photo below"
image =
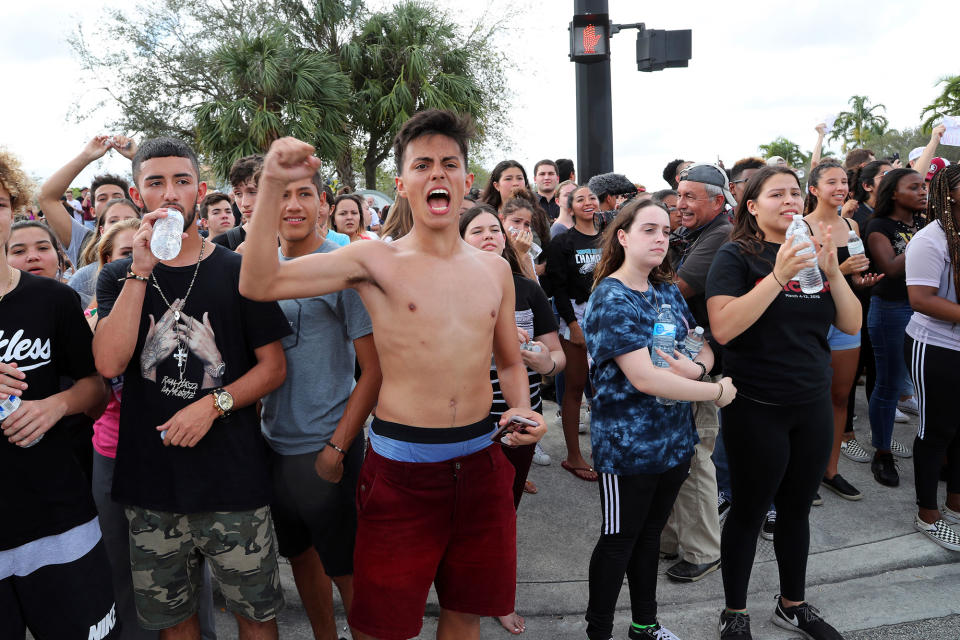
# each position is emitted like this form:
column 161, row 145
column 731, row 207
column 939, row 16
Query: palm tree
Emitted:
column 946, row 104
column 405, row 59
column 854, row 126
column 271, row 88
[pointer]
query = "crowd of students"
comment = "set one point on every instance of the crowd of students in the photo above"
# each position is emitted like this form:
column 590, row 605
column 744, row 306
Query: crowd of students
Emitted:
column 189, row 420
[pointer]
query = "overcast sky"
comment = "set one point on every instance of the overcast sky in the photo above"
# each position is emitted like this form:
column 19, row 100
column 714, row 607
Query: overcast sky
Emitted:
column 759, row 70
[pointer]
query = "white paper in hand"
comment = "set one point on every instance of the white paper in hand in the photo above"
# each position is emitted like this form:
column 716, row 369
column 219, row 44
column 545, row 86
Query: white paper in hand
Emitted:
column 829, row 120
column 952, row 135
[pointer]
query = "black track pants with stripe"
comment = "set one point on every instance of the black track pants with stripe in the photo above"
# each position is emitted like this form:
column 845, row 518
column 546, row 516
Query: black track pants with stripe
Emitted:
column 635, row 509
column 934, row 372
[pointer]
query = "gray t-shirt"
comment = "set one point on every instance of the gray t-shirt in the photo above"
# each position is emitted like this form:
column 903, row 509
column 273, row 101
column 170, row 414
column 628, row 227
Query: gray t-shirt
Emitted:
column 302, row 414
column 78, row 233
column 696, row 258
column 84, row 282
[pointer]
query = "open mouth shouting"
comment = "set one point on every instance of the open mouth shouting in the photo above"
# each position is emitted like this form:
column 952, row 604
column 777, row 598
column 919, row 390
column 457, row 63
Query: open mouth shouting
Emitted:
column 439, row 201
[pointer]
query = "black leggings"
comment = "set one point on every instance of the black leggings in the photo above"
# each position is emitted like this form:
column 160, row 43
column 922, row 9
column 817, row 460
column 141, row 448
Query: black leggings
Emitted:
column 778, row 454
column 635, row 509
column 933, row 370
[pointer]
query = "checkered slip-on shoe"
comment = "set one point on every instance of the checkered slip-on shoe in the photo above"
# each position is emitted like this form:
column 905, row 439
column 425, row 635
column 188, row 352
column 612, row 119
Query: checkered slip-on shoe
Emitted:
column 940, row 532
column 897, row 449
column 853, row 450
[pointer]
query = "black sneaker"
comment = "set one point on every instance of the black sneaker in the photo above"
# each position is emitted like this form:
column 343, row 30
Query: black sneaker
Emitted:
column 685, row 571
column 804, row 618
column 734, row 625
column 842, row 488
column 655, row 632
column 769, row 525
column 885, row 469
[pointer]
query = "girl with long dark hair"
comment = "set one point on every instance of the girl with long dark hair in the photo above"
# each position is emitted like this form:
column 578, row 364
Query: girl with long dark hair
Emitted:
column 641, row 448
column 827, row 190
column 932, row 350
column 778, row 431
column 901, row 202
column 571, row 259
column 482, row 228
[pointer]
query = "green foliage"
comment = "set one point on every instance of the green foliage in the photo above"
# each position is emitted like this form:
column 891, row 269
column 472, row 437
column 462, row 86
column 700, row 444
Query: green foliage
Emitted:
column 853, row 127
column 946, row 104
column 232, row 76
column 789, row 151
column 275, row 89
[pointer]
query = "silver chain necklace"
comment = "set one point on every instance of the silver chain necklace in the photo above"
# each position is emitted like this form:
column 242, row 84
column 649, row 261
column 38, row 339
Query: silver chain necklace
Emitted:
column 182, row 353
column 650, row 287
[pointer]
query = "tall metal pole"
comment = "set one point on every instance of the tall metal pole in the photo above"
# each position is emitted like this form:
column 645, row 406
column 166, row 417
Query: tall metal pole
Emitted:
column 594, row 108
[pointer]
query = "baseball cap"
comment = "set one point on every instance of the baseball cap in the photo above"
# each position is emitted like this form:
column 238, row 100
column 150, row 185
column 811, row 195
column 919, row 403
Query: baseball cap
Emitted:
column 709, row 174
column 773, row 161
column 935, row 165
column 915, row 153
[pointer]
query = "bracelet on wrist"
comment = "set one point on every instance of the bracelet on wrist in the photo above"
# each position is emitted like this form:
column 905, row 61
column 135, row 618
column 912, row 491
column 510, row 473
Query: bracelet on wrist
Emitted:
column 132, row 275
column 703, row 370
column 337, row 449
column 552, row 369
column 777, row 279
column 719, row 395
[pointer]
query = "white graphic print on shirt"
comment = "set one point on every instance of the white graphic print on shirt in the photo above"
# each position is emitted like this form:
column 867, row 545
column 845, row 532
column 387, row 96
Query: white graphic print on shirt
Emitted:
column 176, row 337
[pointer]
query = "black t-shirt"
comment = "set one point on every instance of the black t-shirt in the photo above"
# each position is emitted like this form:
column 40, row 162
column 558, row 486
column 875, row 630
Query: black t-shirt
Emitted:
column 571, row 259
column 226, row 470
column 783, row 357
column 898, row 235
column 43, row 490
column 534, row 315
column 232, row 238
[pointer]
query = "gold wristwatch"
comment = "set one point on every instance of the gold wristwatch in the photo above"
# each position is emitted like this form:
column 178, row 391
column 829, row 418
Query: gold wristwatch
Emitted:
column 222, row 401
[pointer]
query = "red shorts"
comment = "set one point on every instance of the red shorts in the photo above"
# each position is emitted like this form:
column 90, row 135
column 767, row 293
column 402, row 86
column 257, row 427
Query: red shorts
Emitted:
column 451, row 523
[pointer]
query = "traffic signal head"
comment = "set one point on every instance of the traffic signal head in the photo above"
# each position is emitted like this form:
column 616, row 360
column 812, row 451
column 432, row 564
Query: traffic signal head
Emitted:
column 590, row 38
column 659, row 49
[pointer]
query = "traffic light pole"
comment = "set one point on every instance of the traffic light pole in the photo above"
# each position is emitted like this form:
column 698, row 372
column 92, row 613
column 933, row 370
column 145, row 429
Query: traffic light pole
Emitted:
column 594, row 108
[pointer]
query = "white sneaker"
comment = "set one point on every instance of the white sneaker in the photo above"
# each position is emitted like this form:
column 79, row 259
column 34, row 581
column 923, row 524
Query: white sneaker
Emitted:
column 900, row 417
column 853, row 450
column 909, row 406
column 540, row 456
column 897, row 449
column 940, row 532
column 949, row 515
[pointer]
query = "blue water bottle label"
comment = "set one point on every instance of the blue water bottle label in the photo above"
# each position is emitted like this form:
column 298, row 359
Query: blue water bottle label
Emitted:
column 662, row 329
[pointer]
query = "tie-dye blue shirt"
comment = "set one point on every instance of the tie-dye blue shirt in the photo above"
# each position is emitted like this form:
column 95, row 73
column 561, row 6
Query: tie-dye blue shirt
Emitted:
column 630, row 431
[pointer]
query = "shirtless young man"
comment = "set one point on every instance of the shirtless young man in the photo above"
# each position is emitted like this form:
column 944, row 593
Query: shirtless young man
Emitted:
column 435, row 502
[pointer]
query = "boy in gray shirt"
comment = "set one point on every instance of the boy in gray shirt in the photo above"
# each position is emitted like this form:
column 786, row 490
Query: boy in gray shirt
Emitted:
column 311, row 422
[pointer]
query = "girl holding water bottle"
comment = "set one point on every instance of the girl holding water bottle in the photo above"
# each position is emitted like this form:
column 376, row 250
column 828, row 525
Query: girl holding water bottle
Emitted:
column 641, row 447
column 827, row 190
column 778, row 432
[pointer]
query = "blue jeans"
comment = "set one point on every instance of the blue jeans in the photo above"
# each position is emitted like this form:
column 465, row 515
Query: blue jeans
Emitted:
column 887, row 322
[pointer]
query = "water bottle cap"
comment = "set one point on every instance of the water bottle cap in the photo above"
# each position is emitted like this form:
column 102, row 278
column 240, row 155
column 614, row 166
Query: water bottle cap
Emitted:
column 852, row 234
column 698, row 331
column 797, row 217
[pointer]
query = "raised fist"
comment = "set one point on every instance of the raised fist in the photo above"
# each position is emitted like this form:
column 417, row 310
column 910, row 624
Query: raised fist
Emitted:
column 289, row 160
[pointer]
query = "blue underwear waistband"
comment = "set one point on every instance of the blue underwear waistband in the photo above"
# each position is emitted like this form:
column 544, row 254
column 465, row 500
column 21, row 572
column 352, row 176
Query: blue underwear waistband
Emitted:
column 419, row 444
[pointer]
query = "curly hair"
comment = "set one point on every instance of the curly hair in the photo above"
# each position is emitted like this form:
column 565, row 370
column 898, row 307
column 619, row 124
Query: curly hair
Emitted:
column 15, row 181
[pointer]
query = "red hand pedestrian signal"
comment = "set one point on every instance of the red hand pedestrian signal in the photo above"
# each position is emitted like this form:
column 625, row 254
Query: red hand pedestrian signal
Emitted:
column 590, row 39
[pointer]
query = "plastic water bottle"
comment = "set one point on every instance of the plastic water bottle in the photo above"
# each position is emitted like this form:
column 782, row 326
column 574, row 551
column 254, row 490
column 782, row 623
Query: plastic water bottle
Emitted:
column 854, row 244
column 167, row 235
column 809, row 277
column 665, row 339
column 7, row 407
column 693, row 343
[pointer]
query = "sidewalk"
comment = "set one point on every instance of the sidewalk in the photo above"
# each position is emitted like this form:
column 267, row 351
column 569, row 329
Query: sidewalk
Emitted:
column 868, row 566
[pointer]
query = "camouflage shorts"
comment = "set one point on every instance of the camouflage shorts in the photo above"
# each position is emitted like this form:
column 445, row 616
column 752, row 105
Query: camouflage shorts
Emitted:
column 166, row 555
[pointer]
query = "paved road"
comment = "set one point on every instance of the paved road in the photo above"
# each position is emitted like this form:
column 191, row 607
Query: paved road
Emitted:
column 870, row 572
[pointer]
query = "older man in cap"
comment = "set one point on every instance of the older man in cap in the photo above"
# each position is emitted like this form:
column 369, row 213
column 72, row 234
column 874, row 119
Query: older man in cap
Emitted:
column 693, row 531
